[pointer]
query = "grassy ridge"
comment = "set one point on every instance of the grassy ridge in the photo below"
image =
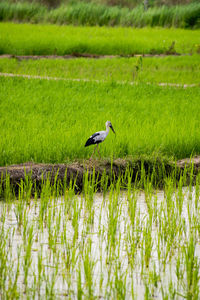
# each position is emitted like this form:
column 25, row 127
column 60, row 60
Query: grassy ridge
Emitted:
column 49, row 121
column 27, row 39
column 81, row 13
column 182, row 69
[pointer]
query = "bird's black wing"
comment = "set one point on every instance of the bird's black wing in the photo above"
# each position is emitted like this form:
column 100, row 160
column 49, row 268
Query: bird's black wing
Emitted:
column 92, row 140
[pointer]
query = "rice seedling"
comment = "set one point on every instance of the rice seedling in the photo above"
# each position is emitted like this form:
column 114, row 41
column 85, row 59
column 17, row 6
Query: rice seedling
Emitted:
column 192, row 269
column 128, row 251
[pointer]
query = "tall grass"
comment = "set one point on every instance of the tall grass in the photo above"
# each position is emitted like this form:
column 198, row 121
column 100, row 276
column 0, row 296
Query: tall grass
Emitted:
column 49, row 121
column 92, row 14
column 21, row 11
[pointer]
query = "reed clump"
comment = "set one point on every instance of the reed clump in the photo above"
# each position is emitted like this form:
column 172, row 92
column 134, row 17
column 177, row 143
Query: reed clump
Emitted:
column 92, row 14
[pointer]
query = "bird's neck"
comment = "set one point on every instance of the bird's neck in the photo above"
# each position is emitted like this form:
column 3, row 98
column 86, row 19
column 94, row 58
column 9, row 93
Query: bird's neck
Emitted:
column 107, row 129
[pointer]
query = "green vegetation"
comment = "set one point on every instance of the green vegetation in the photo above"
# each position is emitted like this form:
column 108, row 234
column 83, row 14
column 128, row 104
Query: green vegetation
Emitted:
column 123, row 245
column 83, row 13
column 49, row 121
column 119, row 3
column 180, row 70
column 114, row 245
column 27, row 39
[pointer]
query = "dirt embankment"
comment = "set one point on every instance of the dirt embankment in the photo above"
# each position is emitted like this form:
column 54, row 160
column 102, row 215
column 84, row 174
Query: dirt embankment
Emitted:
column 76, row 170
column 85, row 55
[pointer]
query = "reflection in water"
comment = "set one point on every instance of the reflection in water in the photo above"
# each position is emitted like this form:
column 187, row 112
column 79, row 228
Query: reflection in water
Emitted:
column 124, row 245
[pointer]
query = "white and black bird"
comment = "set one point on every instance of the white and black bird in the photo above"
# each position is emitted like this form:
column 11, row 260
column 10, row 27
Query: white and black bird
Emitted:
column 99, row 137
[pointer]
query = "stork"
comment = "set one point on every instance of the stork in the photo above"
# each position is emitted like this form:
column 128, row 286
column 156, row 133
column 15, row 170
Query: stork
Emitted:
column 99, row 137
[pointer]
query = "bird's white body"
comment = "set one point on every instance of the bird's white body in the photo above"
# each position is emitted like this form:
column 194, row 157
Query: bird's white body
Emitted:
column 99, row 136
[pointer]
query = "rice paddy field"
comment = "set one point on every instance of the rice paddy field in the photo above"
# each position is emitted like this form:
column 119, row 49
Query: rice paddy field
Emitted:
column 43, row 39
column 50, row 121
column 121, row 237
column 119, row 244
column 170, row 69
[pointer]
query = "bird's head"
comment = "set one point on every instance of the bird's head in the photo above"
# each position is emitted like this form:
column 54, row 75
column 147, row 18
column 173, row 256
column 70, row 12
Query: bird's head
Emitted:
column 108, row 124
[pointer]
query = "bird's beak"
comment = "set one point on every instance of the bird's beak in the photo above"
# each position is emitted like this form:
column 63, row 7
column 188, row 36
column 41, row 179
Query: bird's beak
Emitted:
column 112, row 128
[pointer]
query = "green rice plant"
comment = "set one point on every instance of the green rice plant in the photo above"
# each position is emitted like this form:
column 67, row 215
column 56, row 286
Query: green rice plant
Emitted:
column 1, row 185
column 3, row 254
column 52, row 238
column 104, row 183
column 13, row 285
column 69, row 194
column 131, row 247
column 113, row 215
column 25, row 227
column 88, row 270
column 132, row 205
column 27, row 256
column 79, row 284
column 179, row 269
column 147, row 243
column 192, row 269
column 46, row 190
column 88, row 184
column 7, row 188
column 120, row 283
column 169, row 229
column 19, row 212
column 50, row 283
column 148, row 187
column 30, row 39
column 56, row 186
column 180, row 196
column 197, row 191
column 171, row 293
column 75, row 220
column 40, row 271
column 154, row 278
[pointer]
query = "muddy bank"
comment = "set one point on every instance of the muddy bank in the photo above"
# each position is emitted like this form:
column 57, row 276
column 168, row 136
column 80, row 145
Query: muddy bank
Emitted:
column 86, row 55
column 64, row 173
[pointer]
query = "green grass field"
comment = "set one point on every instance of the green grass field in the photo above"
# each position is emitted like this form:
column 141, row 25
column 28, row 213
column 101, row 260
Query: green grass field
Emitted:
column 116, row 244
column 27, row 39
column 49, row 121
column 180, row 70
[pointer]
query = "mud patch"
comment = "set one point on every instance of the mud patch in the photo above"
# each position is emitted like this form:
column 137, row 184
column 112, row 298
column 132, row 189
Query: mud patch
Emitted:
column 75, row 172
column 86, row 55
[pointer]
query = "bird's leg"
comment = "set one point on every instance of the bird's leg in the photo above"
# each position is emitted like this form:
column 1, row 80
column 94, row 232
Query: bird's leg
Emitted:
column 93, row 151
column 98, row 150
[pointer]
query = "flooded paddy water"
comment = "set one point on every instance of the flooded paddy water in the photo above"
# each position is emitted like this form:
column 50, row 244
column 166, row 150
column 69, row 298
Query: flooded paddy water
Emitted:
column 118, row 244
